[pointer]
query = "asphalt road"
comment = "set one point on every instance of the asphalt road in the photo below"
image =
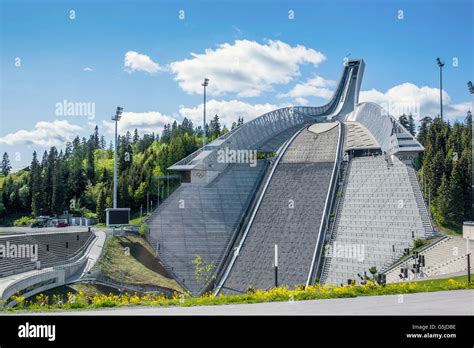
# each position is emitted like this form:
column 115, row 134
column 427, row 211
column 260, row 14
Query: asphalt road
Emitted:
column 460, row 302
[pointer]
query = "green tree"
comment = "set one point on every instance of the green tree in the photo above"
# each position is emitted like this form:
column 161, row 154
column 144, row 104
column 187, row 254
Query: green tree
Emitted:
column 24, row 196
column 425, row 124
column 215, row 127
column 101, row 206
column 403, row 119
column 203, row 271
column 411, row 125
column 6, row 165
column 34, row 182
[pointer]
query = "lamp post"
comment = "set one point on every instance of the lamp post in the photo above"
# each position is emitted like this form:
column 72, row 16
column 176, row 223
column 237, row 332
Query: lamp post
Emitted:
column 116, row 118
column 204, row 84
column 440, row 64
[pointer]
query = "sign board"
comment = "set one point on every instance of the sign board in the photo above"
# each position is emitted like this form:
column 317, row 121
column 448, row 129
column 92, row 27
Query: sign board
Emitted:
column 468, row 230
column 117, row 216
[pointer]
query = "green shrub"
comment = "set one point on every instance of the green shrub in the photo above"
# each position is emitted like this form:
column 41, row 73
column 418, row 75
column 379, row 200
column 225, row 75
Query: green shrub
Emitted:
column 90, row 215
column 24, row 221
column 418, row 243
column 143, row 230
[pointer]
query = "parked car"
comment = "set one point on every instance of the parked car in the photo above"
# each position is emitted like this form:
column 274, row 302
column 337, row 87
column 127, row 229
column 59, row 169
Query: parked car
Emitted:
column 38, row 224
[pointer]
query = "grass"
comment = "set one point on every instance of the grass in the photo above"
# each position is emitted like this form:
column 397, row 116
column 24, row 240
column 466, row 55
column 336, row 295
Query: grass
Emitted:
column 132, row 260
column 281, row 294
column 137, row 220
column 451, row 230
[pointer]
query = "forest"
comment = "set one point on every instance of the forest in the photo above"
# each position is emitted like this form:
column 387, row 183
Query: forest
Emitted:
column 79, row 179
column 445, row 168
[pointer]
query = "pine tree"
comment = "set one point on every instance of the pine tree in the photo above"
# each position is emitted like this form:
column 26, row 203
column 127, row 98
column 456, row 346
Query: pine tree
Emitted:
column 403, row 119
column 456, row 205
column 166, row 134
column 102, row 142
column 35, row 185
column 95, row 138
column 6, row 166
column 136, row 137
column 411, row 125
column 215, row 127
column 425, row 124
column 101, row 205
column 90, row 165
column 174, row 130
column 187, row 126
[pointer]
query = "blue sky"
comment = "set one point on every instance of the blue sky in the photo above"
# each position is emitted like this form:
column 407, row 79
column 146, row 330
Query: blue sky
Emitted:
column 257, row 58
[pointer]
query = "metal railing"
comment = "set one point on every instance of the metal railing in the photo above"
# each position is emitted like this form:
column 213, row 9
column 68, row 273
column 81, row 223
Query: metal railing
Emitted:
column 408, row 257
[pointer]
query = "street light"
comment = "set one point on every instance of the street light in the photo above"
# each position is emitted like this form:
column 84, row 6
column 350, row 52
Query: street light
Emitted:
column 471, row 88
column 116, row 118
column 440, row 64
column 204, row 84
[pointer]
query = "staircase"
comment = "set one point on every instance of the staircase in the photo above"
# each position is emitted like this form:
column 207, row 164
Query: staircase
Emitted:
column 332, row 235
column 430, row 232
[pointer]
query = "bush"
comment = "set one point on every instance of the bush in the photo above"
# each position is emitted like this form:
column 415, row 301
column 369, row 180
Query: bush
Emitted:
column 418, row 243
column 24, row 221
column 143, row 230
column 90, row 215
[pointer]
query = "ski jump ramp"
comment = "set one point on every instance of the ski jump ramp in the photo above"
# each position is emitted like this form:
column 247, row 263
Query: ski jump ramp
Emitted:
column 232, row 214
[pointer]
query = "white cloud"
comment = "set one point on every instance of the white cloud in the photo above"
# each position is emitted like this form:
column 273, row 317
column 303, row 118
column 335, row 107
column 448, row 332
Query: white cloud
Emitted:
column 87, row 69
column 135, row 61
column 314, row 87
column 145, row 122
column 301, row 101
column 228, row 111
column 245, row 67
column 419, row 101
column 45, row 134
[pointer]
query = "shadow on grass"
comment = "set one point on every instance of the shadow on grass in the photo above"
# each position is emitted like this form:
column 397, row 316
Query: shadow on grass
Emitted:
column 144, row 256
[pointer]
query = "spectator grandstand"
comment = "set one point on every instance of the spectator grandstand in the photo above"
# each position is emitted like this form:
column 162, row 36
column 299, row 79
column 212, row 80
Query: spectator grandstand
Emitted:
column 52, row 249
column 378, row 215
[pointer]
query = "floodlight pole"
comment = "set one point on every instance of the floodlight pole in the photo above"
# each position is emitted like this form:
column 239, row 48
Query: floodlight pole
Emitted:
column 115, row 166
column 440, row 64
column 204, row 84
column 116, row 118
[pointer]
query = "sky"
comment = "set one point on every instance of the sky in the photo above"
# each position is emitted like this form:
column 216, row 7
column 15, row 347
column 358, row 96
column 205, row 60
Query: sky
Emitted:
column 66, row 65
